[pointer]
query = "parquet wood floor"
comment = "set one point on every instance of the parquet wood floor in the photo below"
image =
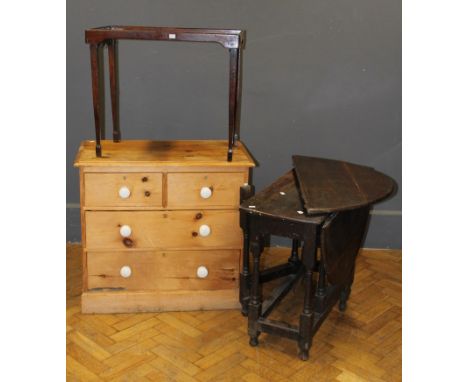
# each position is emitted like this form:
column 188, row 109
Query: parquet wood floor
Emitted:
column 362, row 344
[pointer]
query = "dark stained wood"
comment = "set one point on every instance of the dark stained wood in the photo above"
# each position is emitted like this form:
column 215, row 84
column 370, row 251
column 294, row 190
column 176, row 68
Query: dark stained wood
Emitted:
column 231, row 39
column 338, row 230
column 97, row 94
column 341, row 238
column 228, row 38
column 112, row 50
column 294, row 258
column 306, row 319
column 246, row 191
column 233, row 89
column 271, row 201
column 255, row 301
column 324, row 304
column 279, row 328
column 279, row 293
column 238, row 95
column 329, row 185
column 279, row 271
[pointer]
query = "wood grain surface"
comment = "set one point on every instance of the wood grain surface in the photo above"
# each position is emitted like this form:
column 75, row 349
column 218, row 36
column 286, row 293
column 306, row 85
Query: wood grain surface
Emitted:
column 102, row 190
column 329, row 185
column 158, row 301
column 164, row 270
column 163, row 153
column 280, row 199
column 183, row 189
column 163, row 229
column 364, row 344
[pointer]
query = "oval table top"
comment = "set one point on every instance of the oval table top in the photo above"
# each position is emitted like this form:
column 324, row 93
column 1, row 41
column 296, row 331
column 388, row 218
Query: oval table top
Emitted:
column 328, row 185
column 317, row 187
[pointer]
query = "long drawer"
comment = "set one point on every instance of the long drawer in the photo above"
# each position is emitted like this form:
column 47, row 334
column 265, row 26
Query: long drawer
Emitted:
column 163, row 229
column 163, row 270
column 123, row 189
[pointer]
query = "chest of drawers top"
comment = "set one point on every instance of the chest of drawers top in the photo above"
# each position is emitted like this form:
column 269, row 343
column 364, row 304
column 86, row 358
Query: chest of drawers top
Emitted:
column 160, row 154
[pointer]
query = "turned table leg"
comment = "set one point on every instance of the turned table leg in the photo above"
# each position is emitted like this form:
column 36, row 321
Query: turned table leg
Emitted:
column 294, row 258
column 306, row 319
column 346, row 291
column 255, row 303
column 344, row 295
column 244, row 277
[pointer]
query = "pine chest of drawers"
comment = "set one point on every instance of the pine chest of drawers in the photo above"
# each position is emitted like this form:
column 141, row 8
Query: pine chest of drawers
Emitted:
column 160, row 225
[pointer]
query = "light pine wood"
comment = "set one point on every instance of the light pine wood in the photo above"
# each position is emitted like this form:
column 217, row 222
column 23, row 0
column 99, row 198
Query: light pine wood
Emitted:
column 162, row 169
column 160, row 301
column 148, row 208
column 362, row 344
column 168, row 270
column 164, row 189
column 164, row 223
column 163, row 229
column 157, row 153
column 83, row 230
column 183, row 189
column 102, row 190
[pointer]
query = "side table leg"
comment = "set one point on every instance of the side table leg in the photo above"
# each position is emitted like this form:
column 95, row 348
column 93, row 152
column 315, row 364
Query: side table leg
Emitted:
column 344, row 295
column 294, row 258
column 244, row 277
column 255, row 303
column 98, row 104
column 112, row 52
column 306, row 319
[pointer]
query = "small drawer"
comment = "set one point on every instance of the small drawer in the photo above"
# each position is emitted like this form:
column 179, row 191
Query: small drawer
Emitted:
column 165, row 270
column 163, row 229
column 198, row 190
column 123, row 189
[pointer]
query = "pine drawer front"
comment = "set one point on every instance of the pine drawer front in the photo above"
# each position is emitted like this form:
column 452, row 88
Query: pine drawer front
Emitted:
column 163, row 270
column 123, row 189
column 134, row 230
column 204, row 190
column 160, row 225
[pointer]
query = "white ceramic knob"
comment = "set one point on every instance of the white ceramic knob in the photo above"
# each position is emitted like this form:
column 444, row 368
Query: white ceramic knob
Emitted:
column 125, row 271
column 204, row 230
column 124, row 192
column 205, row 192
column 125, row 231
column 202, row 272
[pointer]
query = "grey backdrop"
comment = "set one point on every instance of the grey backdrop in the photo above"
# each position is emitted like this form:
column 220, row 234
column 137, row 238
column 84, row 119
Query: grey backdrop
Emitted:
column 320, row 78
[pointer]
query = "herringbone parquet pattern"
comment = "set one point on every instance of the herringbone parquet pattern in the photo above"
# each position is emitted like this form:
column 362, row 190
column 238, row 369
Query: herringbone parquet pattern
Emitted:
column 363, row 344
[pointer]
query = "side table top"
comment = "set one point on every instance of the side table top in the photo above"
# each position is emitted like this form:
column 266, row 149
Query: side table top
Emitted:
column 281, row 199
column 329, row 185
column 317, row 187
column 162, row 153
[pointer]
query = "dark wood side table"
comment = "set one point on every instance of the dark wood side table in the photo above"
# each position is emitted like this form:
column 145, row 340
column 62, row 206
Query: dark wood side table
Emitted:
column 322, row 204
column 108, row 36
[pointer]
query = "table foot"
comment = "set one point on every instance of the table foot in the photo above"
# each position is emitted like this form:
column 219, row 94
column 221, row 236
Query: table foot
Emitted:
column 245, row 310
column 344, row 294
column 253, row 341
column 304, row 355
column 342, row 306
